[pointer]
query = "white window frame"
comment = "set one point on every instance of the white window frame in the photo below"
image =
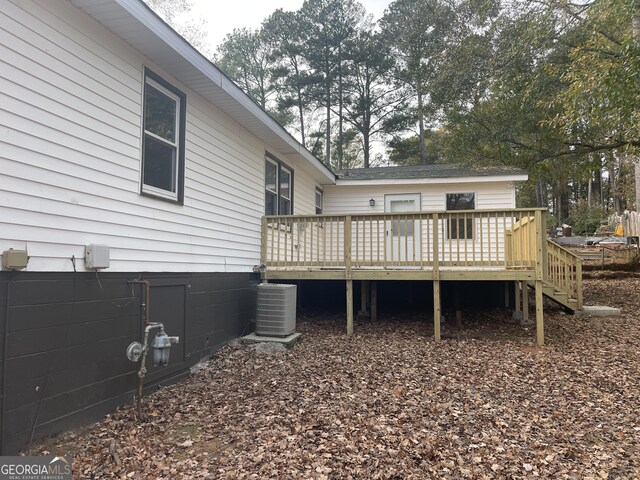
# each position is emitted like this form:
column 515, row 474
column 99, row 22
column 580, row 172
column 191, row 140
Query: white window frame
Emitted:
column 320, row 207
column 178, row 128
column 470, row 221
column 280, row 167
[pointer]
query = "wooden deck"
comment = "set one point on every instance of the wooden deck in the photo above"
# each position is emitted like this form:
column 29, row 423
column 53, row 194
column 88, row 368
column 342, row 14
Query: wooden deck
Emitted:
column 497, row 245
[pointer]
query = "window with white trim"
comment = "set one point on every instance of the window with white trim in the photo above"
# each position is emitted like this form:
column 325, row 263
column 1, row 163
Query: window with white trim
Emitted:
column 460, row 228
column 164, row 109
column 319, row 201
column 278, row 187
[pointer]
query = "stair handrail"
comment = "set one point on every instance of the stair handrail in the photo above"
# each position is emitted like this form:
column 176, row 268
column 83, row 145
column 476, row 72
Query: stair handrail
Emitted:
column 564, row 271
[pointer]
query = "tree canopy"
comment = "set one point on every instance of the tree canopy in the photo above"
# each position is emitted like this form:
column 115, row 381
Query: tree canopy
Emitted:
column 550, row 86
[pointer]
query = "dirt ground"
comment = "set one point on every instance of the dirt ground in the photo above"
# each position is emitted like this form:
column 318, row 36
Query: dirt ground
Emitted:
column 391, row 403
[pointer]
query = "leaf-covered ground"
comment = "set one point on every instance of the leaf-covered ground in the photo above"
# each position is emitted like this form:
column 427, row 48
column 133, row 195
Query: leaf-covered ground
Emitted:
column 391, row 403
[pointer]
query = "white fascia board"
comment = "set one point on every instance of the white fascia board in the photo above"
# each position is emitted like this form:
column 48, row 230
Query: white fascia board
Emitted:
column 423, row 181
column 165, row 34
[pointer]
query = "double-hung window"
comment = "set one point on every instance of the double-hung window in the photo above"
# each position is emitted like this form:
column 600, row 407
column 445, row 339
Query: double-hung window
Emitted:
column 319, row 201
column 164, row 109
column 278, row 188
column 460, row 227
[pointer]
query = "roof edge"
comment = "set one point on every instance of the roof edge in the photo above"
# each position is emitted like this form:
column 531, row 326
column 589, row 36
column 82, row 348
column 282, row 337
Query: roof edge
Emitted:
column 150, row 19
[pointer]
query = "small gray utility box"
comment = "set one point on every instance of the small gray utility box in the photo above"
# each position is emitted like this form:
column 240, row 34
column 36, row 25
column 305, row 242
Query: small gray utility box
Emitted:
column 276, row 310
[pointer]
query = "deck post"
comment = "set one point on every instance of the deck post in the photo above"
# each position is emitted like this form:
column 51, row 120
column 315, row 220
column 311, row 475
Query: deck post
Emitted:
column 456, row 303
column 539, row 314
column 347, row 271
column 349, row 307
column 436, row 280
column 540, row 263
column 263, row 250
column 507, row 300
column 374, row 300
column 516, row 290
column 263, row 241
column 525, row 303
column 436, row 310
column 364, row 297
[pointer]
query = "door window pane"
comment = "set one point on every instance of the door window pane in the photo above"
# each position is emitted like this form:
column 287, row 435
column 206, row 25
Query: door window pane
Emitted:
column 402, row 227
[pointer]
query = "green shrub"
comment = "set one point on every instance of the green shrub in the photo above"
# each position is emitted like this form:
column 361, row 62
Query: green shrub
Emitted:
column 584, row 219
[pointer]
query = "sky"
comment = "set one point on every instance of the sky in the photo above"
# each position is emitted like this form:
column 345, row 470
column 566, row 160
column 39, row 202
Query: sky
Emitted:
column 223, row 16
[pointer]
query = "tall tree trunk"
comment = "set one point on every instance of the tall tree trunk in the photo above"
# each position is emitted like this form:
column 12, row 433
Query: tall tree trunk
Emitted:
column 423, row 156
column 541, row 201
column 365, row 143
column 635, row 28
column 340, row 133
column 300, row 104
column 635, row 23
column 636, row 167
column 327, row 93
column 597, row 188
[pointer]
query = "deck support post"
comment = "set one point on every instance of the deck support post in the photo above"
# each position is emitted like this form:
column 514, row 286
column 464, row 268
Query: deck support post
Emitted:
column 436, row 310
column 374, row 300
column 364, row 297
column 539, row 314
column 456, row 303
column 436, row 279
column 349, row 307
column 525, row 303
column 507, row 300
column 516, row 290
column 540, row 265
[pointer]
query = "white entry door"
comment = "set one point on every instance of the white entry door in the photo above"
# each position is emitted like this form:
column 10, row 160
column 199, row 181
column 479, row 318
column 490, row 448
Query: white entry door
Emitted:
column 403, row 233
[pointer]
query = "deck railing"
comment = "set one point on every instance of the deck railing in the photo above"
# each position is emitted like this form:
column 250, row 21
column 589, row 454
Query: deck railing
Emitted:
column 463, row 238
column 564, row 271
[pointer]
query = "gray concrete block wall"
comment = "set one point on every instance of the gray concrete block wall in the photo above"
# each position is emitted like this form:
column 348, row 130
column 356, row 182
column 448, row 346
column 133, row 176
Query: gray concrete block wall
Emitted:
column 67, row 335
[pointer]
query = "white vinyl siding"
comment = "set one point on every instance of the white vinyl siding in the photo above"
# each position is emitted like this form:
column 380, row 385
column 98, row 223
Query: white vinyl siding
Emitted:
column 342, row 199
column 488, row 196
column 71, row 103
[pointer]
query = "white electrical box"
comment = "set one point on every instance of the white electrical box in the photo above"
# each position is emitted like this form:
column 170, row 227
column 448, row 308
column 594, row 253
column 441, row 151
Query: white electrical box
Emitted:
column 97, row 256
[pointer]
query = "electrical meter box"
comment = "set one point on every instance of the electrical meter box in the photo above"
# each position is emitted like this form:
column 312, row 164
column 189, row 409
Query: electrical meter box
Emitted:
column 14, row 259
column 97, row 256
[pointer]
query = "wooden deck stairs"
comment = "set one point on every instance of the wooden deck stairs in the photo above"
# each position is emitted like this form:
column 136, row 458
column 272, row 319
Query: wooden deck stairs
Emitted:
column 562, row 281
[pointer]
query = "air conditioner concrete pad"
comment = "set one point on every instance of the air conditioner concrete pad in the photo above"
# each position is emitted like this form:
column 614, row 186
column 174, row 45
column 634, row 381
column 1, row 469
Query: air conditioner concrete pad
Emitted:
column 598, row 311
column 288, row 341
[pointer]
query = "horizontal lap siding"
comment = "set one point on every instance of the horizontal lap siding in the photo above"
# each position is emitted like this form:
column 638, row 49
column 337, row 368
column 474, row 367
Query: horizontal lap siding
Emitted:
column 355, row 199
column 488, row 243
column 70, row 104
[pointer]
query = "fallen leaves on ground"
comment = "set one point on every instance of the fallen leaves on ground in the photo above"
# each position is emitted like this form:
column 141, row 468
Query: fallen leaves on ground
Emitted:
column 391, row 403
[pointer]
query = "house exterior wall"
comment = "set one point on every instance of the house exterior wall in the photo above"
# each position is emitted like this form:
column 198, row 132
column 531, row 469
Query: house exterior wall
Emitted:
column 70, row 155
column 343, row 199
column 71, row 132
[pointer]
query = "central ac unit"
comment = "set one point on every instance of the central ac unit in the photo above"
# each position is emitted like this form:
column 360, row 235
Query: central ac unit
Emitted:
column 276, row 310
